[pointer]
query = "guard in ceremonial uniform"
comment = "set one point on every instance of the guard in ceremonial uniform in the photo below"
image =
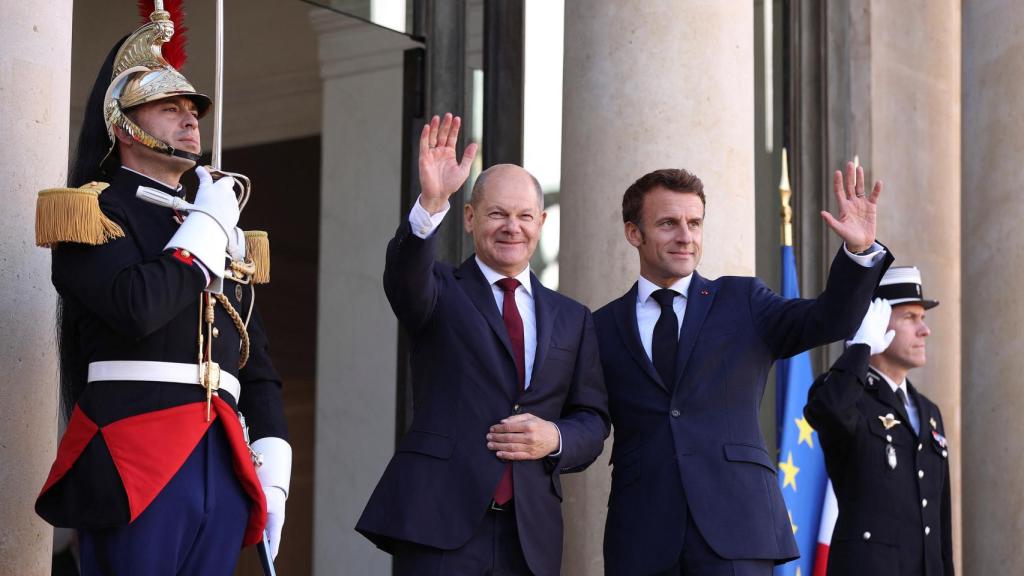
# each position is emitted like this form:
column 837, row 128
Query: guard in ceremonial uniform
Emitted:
column 884, row 442
column 161, row 347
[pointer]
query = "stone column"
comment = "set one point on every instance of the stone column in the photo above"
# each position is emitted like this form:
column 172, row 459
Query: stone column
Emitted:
column 361, row 68
column 35, row 72
column 639, row 95
column 993, row 273
column 914, row 131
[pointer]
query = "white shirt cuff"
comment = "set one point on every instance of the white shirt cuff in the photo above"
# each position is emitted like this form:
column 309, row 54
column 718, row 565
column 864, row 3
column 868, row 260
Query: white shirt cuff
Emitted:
column 877, row 252
column 559, row 451
column 424, row 223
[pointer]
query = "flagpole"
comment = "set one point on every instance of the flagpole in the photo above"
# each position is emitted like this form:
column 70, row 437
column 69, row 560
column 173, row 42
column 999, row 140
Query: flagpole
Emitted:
column 786, row 193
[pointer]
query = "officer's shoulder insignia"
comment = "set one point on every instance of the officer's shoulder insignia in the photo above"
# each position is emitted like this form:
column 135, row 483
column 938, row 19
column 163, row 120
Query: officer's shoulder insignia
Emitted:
column 257, row 249
column 73, row 215
column 888, row 420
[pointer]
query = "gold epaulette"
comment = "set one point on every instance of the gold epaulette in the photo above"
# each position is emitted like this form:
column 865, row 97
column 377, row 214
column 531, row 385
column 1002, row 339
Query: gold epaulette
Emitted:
column 257, row 249
column 73, row 215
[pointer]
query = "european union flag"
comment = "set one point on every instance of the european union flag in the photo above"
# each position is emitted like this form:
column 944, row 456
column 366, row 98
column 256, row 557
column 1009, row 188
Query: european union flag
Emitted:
column 802, row 474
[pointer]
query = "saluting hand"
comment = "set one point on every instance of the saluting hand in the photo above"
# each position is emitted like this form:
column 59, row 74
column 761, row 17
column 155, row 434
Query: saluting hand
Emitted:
column 857, row 212
column 523, row 437
column 441, row 175
column 874, row 328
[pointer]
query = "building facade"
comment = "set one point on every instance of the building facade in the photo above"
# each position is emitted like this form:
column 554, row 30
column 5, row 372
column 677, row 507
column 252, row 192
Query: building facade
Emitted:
column 924, row 92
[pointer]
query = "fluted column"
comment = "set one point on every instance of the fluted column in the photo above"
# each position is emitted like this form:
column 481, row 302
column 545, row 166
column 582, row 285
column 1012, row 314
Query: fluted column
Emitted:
column 914, row 103
column 993, row 274
column 642, row 93
column 35, row 73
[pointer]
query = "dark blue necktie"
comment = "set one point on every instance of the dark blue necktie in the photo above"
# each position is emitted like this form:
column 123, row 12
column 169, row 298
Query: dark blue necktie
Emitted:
column 666, row 337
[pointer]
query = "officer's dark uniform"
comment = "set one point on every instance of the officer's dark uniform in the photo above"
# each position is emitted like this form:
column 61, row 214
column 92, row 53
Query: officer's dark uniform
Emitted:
column 894, row 503
column 128, row 441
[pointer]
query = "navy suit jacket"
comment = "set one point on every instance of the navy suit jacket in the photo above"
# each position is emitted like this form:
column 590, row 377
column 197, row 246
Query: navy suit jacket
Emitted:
column 695, row 444
column 438, row 486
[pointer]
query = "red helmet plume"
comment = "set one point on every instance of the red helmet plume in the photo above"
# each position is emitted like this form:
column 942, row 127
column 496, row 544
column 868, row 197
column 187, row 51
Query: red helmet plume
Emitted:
column 174, row 50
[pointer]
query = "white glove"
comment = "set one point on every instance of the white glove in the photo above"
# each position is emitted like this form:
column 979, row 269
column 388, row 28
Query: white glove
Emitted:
column 872, row 329
column 217, row 200
column 236, row 244
column 275, row 517
column 275, row 477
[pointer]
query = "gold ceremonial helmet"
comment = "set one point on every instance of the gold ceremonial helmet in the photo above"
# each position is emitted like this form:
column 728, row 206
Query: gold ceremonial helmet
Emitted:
column 141, row 75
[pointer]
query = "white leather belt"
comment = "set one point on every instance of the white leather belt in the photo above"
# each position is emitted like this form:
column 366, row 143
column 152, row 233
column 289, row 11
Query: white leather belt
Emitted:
column 149, row 371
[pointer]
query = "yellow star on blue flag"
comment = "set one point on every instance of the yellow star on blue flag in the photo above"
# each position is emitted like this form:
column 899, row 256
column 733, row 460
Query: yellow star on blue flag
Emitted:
column 797, row 452
column 806, row 432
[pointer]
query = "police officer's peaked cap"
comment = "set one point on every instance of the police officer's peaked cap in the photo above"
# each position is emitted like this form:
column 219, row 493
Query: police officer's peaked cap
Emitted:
column 902, row 285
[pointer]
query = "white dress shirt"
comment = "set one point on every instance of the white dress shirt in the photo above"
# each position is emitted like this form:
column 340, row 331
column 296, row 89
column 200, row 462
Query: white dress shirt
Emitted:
column 527, row 310
column 648, row 310
column 424, row 224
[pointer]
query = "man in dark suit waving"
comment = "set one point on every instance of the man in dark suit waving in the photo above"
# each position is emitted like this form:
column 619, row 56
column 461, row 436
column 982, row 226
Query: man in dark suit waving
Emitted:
column 694, row 489
column 508, row 390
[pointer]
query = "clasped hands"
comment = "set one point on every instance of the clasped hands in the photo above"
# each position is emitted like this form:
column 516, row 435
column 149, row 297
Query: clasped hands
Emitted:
column 523, row 437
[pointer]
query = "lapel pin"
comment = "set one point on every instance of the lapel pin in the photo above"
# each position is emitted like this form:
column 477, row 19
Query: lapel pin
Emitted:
column 888, row 420
column 704, row 291
column 932, row 422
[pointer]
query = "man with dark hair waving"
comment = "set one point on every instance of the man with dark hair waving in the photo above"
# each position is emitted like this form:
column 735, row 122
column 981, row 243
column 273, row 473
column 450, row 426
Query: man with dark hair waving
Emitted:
column 694, row 490
column 160, row 345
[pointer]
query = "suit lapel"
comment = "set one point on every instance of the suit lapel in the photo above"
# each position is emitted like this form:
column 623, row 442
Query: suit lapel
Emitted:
column 545, row 312
column 473, row 283
column 698, row 302
column 625, row 317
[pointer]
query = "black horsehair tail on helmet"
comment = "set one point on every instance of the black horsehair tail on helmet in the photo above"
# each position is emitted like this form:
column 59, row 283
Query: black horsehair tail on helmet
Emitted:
column 93, row 141
column 84, row 167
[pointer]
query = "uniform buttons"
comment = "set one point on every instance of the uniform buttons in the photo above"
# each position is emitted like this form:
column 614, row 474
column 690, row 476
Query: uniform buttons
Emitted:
column 919, row 446
column 867, row 535
column 920, row 473
column 516, row 408
column 927, row 530
column 674, row 413
column 888, row 437
column 216, row 332
column 924, row 503
column 944, row 453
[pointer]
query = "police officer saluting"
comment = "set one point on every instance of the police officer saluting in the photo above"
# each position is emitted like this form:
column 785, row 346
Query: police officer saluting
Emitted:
column 884, row 442
column 160, row 344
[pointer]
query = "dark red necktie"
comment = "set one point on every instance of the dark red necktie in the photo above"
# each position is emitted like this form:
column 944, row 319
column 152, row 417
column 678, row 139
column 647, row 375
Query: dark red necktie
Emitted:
column 514, row 325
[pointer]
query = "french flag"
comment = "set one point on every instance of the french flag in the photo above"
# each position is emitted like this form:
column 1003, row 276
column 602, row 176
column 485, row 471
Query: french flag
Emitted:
column 829, row 513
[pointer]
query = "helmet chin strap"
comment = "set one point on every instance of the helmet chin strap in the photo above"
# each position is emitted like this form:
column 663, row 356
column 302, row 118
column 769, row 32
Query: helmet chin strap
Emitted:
column 139, row 135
